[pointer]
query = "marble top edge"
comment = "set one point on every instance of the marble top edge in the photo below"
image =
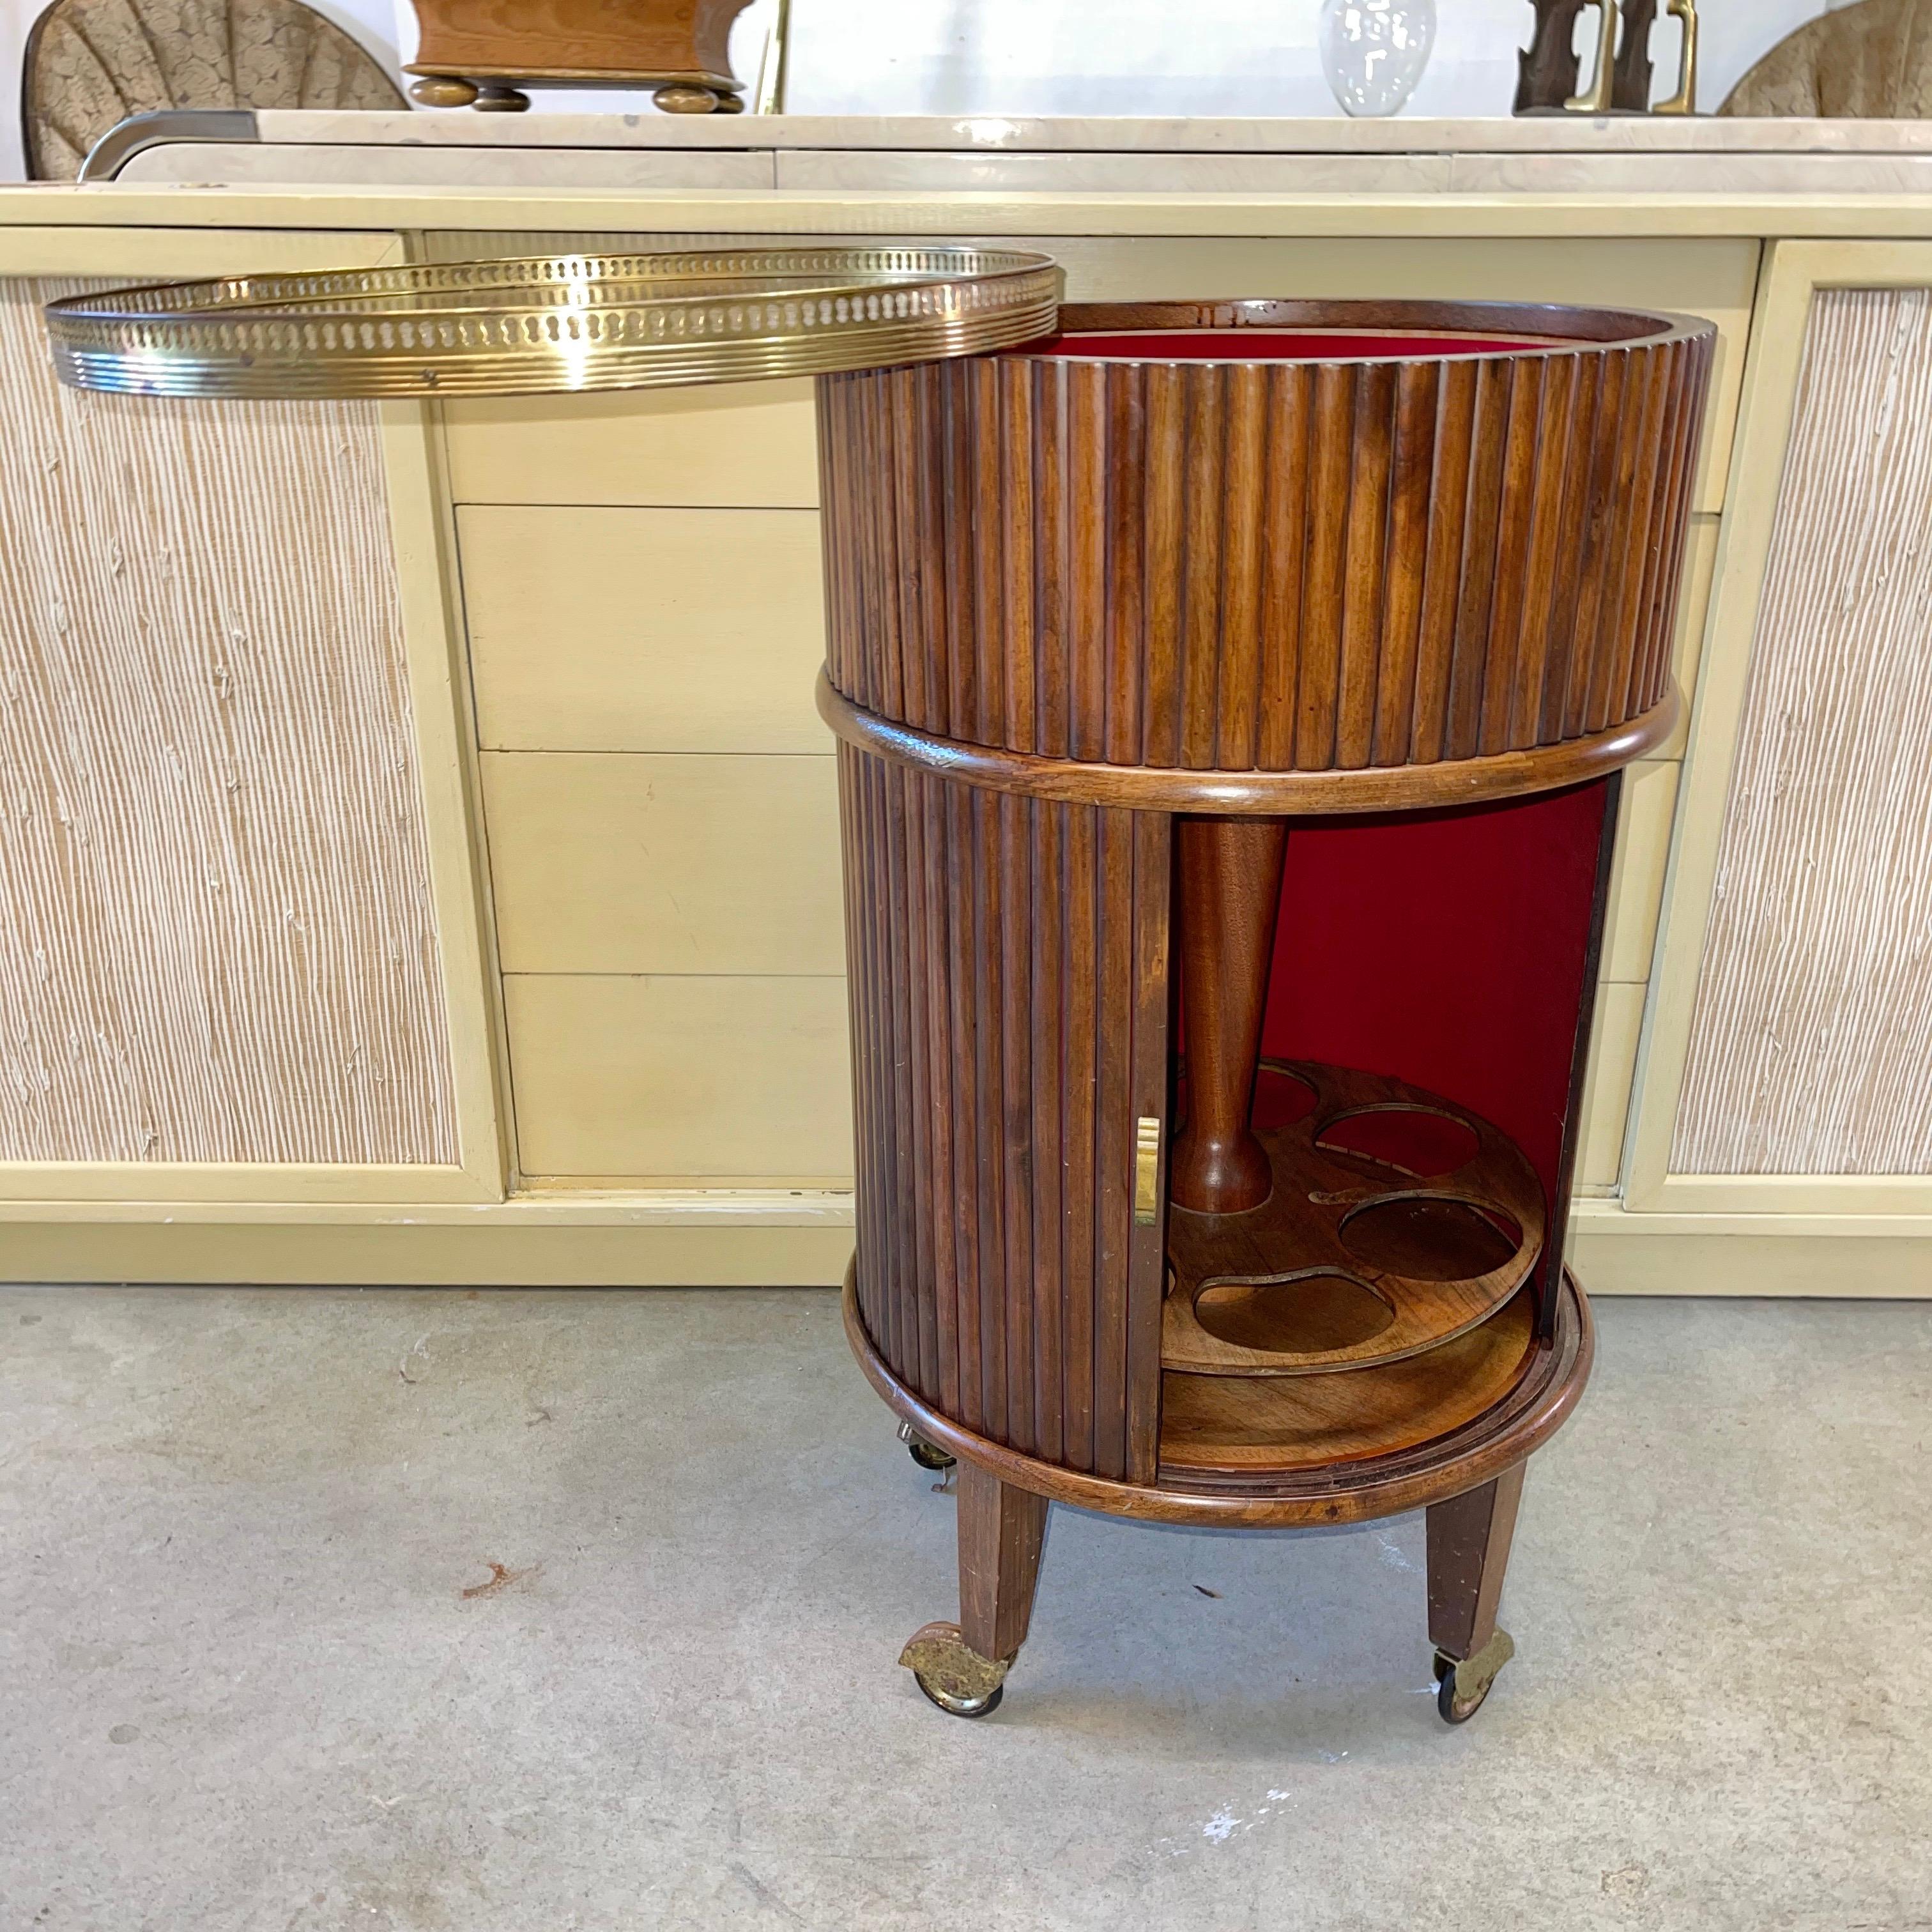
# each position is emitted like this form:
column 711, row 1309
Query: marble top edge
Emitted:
column 996, row 134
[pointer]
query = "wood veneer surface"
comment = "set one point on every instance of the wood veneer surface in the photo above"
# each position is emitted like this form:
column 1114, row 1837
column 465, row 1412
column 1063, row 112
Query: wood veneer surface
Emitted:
column 530, row 38
column 216, row 937
column 1251, row 1423
column 1810, row 1049
column 1255, row 565
column 1008, row 982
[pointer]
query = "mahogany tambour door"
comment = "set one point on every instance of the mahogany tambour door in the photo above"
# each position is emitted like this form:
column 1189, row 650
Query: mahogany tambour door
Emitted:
column 1008, row 963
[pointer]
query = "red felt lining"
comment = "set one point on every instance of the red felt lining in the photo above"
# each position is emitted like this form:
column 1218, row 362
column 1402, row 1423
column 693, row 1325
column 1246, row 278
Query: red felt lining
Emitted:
column 1269, row 345
column 1447, row 949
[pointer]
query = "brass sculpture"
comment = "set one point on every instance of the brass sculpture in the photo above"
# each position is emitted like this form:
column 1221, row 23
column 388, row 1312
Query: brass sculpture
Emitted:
column 1548, row 68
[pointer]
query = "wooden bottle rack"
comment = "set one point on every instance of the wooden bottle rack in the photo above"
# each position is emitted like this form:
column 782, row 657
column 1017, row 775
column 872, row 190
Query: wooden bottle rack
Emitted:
column 1369, row 1261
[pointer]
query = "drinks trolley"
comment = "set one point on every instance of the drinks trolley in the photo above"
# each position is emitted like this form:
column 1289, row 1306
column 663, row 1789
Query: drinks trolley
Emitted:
column 1230, row 698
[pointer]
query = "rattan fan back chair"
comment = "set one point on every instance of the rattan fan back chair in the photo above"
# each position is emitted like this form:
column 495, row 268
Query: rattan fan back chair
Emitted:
column 90, row 64
column 1871, row 62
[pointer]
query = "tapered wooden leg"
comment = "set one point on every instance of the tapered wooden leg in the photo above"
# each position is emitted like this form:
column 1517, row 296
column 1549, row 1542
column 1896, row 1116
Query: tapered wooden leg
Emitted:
column 1468, row 1552
column 1230, row 894
column 1002, row 1531
column 962, row 1666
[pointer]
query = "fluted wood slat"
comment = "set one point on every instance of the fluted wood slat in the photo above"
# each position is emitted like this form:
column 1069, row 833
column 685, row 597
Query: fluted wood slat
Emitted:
column 1007, row 971
column 1261, row 566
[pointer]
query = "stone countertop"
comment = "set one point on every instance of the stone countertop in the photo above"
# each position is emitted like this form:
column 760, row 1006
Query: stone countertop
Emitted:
column 1637, row 157
column 989, row 133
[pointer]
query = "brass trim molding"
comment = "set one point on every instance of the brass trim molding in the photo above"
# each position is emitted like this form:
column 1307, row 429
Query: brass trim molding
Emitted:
column 554, row 324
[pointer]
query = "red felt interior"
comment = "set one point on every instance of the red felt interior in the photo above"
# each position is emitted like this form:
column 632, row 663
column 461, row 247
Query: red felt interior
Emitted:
column 1267, row 345
column 1445, row 949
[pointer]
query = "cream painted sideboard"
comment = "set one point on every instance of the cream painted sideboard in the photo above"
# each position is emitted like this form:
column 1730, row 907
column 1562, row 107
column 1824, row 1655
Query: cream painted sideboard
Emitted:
column 420, row 857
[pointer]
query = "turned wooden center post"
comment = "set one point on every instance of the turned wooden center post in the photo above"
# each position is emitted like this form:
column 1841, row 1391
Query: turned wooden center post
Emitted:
column 1230, row 895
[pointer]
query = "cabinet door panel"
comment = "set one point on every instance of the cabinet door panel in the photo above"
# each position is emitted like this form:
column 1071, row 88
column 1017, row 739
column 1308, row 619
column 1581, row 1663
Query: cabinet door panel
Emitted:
column 1790, row 1057
column 1010, row 999
column 223, row 960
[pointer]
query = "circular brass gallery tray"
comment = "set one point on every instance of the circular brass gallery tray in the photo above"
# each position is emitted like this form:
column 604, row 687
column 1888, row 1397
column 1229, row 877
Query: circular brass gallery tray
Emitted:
column 549, row 323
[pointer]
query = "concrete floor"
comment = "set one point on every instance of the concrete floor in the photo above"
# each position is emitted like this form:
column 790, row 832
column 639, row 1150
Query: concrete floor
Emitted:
column 323, row 1610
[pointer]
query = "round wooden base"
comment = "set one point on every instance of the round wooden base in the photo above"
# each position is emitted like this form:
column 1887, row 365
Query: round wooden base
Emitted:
column 1213, row 1468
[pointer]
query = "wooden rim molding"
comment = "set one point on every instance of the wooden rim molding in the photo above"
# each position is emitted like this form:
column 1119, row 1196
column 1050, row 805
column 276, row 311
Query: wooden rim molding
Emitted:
column 1345, row 1492
column 1253, row 793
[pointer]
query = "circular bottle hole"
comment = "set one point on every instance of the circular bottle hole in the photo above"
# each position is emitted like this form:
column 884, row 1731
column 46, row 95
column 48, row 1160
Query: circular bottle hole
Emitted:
column 1280, row 1099
column 1411, row 1140
column 1306, row 1315
column 1431, row 1241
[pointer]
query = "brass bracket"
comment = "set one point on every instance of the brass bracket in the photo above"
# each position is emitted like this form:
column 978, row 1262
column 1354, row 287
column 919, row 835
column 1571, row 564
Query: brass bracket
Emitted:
column 1147, row 1171
column 942, row 1660
column 1475, row 1674
column 1601, row 96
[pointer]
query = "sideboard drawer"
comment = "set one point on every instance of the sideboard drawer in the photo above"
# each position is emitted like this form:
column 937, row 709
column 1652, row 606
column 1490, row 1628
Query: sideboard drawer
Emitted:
column 638, row 862
column 662, row 1076
column 608, row 630
column 740, row 443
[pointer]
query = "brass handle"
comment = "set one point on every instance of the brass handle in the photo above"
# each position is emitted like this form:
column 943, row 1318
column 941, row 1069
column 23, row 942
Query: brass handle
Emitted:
column 1147, row 1171
column 1598, row 100
column 1684, row 100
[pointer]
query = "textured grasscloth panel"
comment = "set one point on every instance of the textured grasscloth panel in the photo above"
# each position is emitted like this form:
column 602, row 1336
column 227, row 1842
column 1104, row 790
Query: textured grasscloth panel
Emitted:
column 1007, row 964
column 1811, row 1047
column 217, row 941
column 1284, row 567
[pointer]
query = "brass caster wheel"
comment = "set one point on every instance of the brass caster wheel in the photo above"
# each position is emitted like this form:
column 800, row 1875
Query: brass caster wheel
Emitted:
column 960, row 1707
column 498, row 99
column 961, row 1682
column 442, row 90
column 927, row 1455
column 731, row 104
column 1461, row 1687
column 684, row 97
